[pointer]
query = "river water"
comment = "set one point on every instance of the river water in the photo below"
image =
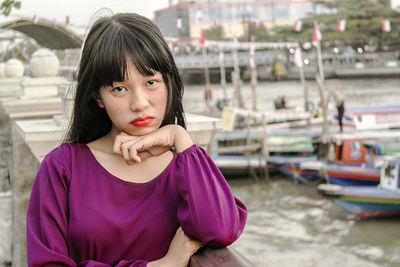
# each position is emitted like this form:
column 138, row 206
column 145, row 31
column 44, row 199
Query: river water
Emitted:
column 290, row 224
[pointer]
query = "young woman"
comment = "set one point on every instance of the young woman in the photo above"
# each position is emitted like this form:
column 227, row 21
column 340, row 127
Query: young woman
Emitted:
column 128, row 187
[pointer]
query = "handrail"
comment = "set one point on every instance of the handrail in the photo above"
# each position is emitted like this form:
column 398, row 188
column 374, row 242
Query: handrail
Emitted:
column 221, row 257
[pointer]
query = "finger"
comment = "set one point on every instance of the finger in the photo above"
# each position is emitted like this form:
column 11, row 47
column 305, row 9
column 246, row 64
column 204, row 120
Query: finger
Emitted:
column 130, row 151
column 125, row 151
column 117, row 145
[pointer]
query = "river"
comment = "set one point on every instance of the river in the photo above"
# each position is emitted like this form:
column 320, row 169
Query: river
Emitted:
column 290, row 224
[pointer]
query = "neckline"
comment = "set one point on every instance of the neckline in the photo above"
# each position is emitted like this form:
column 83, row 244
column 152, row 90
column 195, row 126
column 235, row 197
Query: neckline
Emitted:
column 110, row 175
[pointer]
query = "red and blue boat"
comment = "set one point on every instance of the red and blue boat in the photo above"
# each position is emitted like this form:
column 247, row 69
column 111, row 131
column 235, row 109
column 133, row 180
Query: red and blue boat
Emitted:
column 353, row 159
column 366, row 201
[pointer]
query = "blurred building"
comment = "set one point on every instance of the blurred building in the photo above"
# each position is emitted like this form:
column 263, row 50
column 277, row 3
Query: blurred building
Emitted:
column 395, row 4
column 186, row 18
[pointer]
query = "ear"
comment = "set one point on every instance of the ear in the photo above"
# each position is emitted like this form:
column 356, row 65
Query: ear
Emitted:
column 99, row 102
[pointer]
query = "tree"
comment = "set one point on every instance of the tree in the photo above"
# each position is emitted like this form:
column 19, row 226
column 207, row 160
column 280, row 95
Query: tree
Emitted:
column 260, row 34
column 7, row 5
column 214, row 33
column 363, row 25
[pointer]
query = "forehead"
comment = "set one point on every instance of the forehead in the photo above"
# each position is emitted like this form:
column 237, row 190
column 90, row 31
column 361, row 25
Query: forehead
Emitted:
column 132, row 71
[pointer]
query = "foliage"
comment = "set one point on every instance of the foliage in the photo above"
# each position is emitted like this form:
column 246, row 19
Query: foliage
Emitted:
column 214, row 33
column 363, row 26
column 7, row 5
column 260, row 34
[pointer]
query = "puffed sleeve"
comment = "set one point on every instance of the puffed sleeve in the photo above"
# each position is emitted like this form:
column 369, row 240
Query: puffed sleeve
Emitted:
column 208, row 211
column 47, row 220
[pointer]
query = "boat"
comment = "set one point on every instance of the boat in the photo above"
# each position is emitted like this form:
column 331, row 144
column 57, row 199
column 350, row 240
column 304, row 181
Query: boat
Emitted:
column 382, row 200
column 375, row 117
column 355, row 158
column 240, row 148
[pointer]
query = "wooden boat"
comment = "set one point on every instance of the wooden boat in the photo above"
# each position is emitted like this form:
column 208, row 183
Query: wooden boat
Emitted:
column 350, row 162
column 378, row 117
column 238, row 151
column 343, row 174
column 366, row 201
column 290, row 166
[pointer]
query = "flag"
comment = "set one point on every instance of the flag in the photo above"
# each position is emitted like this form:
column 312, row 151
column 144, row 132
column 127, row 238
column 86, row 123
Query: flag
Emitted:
column 317, row 36
column 202, row 37
column 216, row 24
column 67, row 20
column 34, row 19
column 298, row 58
column 341, row 25
column 256, row 25
column 297, row 25
column 199, row 16
column 386, row 27
column 178, row 23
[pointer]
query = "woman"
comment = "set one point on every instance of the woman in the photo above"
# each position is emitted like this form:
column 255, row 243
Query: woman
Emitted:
column 128, row 187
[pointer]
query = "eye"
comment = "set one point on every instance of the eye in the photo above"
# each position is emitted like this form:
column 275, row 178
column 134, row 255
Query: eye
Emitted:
column 119, row 89
column 151, row 82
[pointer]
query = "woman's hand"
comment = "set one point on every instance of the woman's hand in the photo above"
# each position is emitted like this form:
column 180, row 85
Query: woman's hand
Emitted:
column 137, row 148
column 179, row 252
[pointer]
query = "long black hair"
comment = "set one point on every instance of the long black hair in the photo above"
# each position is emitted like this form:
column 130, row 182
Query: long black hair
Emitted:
column 110, row 43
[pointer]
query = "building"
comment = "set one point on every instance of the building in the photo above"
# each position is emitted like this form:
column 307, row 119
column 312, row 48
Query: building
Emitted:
column 395, row 4
column 186, row 18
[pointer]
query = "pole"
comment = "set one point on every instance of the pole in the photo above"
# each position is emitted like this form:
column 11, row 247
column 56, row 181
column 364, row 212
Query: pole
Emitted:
column 320, row 66
column 265, row 148
column 298, row 60
column 236, row 78
column 207, row 92
column 325, row 128
column 222, row 71
column 305, row 88
column 253, row 67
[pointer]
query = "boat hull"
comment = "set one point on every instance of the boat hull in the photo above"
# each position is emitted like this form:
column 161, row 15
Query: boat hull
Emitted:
column 367, row 202
column 352, row 175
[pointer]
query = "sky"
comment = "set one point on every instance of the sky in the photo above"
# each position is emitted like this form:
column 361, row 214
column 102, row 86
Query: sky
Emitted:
column 81, row 11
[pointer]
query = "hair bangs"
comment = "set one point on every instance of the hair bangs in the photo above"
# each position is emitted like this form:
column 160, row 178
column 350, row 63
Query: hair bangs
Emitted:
column 145, row 53
column 111, row 66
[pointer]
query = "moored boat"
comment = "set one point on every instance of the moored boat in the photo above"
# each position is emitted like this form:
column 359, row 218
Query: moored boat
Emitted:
column 366, row 201
column 354, row 159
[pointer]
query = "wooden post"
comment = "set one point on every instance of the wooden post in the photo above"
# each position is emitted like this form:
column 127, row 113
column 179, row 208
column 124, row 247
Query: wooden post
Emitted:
column 325, row 128
column 253, row 67
column 222, row 71
column 207, row 89
column 319, row 58
column 238, row 99
column 317, row 42
column 265, row 149
column 298, row 60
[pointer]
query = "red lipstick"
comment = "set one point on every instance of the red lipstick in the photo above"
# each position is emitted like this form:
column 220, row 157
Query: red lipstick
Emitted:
column 140, row 122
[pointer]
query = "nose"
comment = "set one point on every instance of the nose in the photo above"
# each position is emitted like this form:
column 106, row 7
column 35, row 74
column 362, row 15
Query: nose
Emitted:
column 139, row 100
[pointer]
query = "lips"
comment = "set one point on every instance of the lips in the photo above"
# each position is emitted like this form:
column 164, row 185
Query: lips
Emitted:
column 140, row 122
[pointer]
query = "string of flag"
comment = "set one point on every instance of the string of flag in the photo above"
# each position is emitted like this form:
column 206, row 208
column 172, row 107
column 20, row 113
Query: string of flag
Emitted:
column 341, row 25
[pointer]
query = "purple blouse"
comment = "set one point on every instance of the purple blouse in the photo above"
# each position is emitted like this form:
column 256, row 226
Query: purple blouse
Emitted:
column 81, row 215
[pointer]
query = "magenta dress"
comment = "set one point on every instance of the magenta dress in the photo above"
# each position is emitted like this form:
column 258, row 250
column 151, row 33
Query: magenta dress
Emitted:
column 81, row 215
